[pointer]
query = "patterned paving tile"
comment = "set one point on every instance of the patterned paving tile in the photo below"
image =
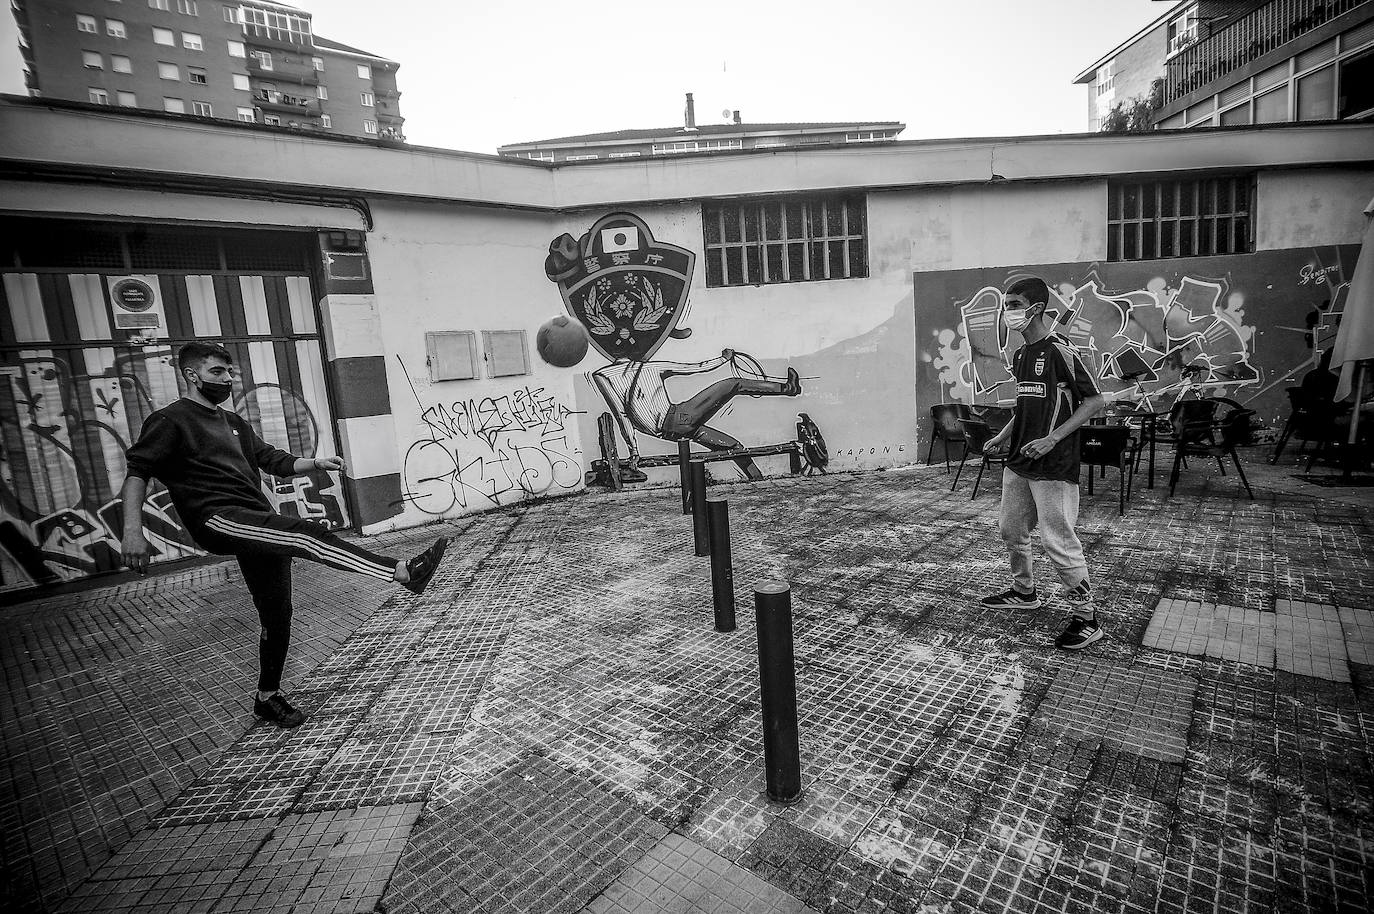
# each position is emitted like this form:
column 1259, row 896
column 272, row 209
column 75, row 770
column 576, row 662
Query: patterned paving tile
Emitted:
column 1140, row 709
column 680, row 876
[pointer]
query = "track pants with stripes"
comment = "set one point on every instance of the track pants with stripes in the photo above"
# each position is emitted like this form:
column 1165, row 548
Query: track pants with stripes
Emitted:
column 264, row 543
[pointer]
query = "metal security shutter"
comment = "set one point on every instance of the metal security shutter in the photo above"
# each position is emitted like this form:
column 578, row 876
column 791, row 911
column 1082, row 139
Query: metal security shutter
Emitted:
column 77, row 380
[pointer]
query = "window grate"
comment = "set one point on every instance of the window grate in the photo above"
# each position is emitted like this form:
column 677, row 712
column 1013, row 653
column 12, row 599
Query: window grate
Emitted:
column 785, row 239
column 162, row 250
column 1197, row 217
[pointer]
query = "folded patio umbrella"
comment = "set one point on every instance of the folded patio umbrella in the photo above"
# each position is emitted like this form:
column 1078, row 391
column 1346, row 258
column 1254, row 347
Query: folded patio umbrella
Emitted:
column 1355, row 337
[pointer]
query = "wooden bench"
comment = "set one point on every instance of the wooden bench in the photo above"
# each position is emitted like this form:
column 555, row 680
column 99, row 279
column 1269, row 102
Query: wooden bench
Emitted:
column 609, row 469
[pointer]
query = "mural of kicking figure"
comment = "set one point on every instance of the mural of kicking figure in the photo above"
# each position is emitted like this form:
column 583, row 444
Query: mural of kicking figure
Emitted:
column 630, row 291
column 637, row 393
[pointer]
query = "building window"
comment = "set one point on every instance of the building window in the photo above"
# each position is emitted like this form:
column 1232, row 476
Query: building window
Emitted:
column 173, row 106
column 202, row 109
column 196, row 75
column 321, row 92
column 370, row 127
column 127, row 99
column 326, row 121
column 115, row 29
column 92, row 60
column 191, row 42
column 97, row 96
column 614, row 155
column 1195, row 217
column 788, row 239
column 507, row 354
column 364, row 71
column 86, row 24
column 241, row 82
column 277, row 25
column 1106, row 78
column 231, row 14
column 318, row 64
column 157, row 4
column 188, row 7
column 696, row 146
column 168, row 71
column 247, row 115
column 236, row 49
column 1182, row 31
column 272, row 119
column 264, row 59
column 368, row 100
column 121, row 64
column 869, row 136
column 583, row 158
column 164, row 36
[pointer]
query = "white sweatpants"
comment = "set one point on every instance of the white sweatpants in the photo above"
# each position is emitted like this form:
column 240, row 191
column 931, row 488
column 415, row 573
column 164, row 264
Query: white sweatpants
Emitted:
column 1052, row 505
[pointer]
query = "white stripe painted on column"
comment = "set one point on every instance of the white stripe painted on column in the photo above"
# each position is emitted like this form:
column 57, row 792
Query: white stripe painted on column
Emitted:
column 299, row 297
column 370, row 446
column 200, row 296
column 26, row 308
column 255, row 305
column 88, row 297
column 98, row 362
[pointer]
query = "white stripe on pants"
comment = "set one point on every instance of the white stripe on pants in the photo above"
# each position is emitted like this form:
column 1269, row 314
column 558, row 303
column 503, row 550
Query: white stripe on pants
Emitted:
column 1052, row 505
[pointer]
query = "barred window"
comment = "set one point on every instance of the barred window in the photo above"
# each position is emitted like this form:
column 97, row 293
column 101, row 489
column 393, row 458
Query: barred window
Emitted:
column 785, row 239
column 1195, row 217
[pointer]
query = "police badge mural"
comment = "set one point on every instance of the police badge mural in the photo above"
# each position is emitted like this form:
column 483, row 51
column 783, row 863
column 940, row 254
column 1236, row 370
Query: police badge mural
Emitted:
column 629, row 292
column 626, row 288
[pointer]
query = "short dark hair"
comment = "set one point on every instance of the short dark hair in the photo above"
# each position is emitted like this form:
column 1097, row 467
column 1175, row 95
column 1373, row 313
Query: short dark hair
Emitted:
column 192, row 354
column 1032, row 289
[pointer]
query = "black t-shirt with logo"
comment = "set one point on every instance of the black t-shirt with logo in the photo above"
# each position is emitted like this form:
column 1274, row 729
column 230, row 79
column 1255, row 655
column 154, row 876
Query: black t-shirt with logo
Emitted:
column 1051, row 382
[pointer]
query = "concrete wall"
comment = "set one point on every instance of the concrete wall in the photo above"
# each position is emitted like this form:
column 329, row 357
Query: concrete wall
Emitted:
column 1312, row 207
column 468, row 445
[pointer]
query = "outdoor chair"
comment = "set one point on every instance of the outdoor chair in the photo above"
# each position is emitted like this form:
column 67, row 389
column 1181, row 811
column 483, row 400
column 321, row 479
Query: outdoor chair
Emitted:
column 996, row 417
column 1109, row 446
column 946, row 429
column 1199, row 437
column 976, row 436
column 1310, row 420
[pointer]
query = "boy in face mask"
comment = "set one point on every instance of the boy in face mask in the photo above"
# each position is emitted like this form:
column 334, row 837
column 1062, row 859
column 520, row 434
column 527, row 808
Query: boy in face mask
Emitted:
column 1055, row 395
column 210, row 460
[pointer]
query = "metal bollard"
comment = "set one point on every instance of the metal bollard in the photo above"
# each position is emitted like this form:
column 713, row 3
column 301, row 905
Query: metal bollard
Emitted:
column 778, row 684
column 684, row 469
column 722, row 565
column 699, row 528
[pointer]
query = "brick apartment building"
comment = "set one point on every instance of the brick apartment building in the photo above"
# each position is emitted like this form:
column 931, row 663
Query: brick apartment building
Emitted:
column 253, row 61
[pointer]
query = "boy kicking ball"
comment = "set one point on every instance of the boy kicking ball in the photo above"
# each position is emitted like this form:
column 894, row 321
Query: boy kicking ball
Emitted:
column 209, row 459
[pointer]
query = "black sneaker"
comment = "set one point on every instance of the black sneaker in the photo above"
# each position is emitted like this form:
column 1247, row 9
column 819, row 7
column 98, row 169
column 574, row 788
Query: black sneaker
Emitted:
column 1078, row 634
column 277, row 710
column 423, row 566
column 1012, row 599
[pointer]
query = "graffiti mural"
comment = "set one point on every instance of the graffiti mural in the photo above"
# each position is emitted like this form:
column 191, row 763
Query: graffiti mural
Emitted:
column 630, row 292
column 481, row 453
column 71, row 403
column 1240, row 327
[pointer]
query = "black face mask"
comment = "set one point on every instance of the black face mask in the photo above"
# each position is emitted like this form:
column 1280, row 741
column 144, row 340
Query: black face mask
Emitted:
column 215, row 391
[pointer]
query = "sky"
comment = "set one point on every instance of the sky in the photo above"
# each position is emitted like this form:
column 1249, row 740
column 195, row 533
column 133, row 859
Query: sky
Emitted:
column 476, row 75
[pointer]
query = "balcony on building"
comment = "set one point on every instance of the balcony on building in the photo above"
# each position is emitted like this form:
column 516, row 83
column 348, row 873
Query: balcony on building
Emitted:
column 1258, row 38
column 284, row 39
column 285, row 70
column 271, row 100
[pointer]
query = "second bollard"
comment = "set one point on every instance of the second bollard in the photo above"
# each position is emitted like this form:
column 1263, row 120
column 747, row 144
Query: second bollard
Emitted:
column 684, row 469
column 722, row 565
column 701, row 532
column 778, row 684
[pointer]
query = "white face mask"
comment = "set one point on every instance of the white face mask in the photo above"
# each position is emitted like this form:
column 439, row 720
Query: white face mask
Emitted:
column 1016, row 318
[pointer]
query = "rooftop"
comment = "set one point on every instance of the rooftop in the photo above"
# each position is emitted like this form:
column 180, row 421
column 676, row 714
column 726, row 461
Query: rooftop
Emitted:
column 713, row 130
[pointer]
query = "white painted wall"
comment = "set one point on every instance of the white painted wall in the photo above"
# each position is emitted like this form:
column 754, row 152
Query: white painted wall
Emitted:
column 1306, row 207
column 441, row 267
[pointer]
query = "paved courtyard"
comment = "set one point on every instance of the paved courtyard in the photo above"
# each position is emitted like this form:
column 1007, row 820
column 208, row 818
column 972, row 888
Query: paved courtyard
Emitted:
column 556, row 727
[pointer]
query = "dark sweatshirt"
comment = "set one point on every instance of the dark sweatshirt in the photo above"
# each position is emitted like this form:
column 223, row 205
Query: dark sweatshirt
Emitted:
column 208, row 458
